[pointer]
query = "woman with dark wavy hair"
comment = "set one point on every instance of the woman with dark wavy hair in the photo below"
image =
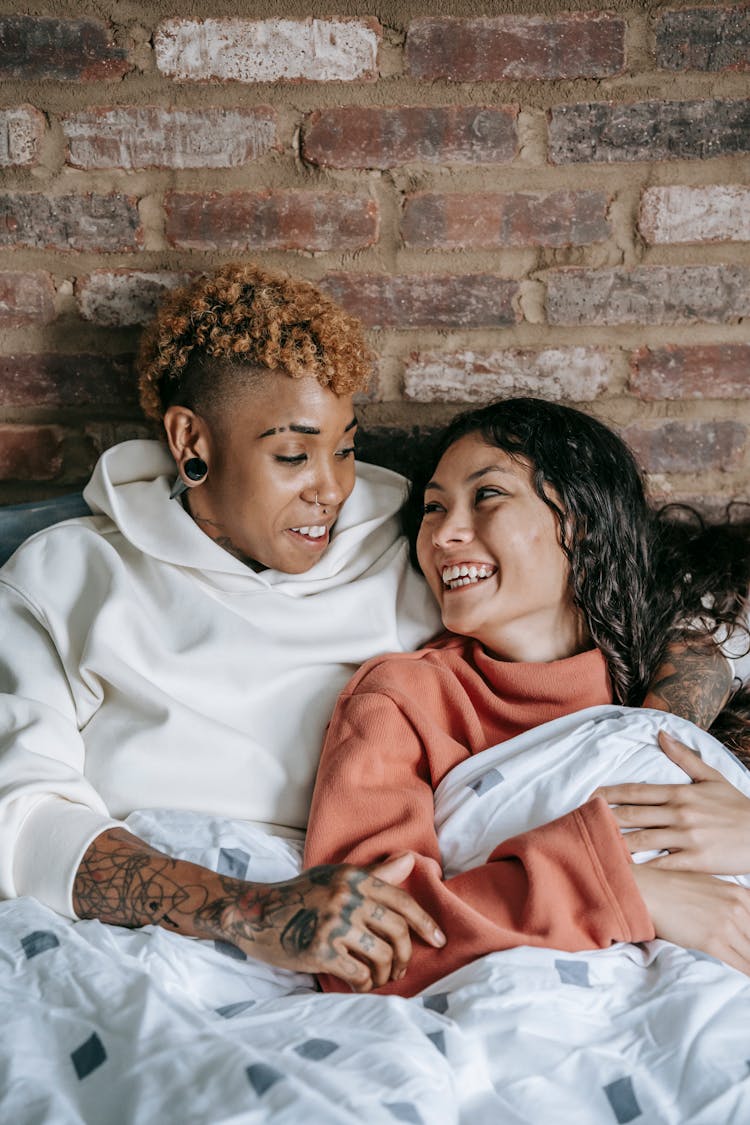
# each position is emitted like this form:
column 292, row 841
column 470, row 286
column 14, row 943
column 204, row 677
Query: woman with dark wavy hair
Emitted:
column 560, row 590
column 641, row 578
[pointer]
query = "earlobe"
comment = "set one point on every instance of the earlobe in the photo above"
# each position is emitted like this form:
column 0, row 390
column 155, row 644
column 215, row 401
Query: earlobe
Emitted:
column 183, row 429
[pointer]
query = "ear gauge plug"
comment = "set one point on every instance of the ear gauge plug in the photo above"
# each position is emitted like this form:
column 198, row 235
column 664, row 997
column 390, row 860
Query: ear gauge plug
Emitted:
column 196, row 470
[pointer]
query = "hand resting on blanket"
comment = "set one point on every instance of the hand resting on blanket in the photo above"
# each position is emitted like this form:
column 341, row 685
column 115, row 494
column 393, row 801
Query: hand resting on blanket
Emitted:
column 313, row 923
column 704, row 826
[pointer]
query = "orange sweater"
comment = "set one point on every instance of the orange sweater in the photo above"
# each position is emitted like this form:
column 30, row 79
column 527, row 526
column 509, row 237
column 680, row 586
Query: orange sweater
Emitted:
column 400, row 725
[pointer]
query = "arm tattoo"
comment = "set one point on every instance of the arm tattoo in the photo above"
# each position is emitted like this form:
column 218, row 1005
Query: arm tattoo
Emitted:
column 692, row 681
column 124, row 881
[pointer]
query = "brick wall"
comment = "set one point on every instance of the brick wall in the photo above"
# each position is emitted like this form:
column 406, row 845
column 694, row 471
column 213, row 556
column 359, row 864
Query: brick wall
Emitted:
column 554, row 200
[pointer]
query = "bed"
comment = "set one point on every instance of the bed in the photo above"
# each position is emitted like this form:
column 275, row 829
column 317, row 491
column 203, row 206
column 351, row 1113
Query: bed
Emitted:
column 107, row 1026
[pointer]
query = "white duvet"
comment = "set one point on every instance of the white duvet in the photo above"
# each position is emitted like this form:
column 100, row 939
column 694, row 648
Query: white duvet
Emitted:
column 104, row 1025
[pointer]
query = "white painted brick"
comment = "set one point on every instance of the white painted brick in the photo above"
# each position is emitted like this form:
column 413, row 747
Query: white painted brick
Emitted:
column 148, row 136
column 576, row 374
column 117, row 298
column 267, row 50
column 21, row 130
column 695, row 214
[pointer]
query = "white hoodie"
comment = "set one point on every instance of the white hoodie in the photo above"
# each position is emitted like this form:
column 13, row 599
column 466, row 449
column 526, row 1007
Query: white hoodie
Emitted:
column 144, row 666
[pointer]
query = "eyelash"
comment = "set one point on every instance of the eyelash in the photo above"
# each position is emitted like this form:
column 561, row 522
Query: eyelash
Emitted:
column 300, row 458
column 481, row 494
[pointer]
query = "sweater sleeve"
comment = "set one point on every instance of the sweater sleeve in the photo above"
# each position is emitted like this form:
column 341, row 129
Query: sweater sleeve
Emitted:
column 49, row 812
column 567, row 885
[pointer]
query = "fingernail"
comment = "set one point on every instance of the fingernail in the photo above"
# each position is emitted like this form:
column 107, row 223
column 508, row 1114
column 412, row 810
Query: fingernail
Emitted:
column 440, row 937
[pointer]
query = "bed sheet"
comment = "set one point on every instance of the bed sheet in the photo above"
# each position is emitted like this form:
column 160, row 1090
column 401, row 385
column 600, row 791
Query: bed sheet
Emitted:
column 106, row 1025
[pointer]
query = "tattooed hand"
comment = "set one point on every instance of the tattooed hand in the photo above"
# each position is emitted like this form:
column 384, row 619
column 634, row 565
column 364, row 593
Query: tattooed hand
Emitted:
column 703, row 825
column 348, row 921
column 338, row 919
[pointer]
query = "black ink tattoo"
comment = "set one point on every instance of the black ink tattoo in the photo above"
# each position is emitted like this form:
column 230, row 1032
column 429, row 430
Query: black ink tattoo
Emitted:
column 299, row 932
column 694, row 681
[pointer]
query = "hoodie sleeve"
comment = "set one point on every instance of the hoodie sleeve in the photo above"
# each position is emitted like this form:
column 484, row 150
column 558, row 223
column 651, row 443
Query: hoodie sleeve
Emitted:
column 567, row 885
column 49, row 812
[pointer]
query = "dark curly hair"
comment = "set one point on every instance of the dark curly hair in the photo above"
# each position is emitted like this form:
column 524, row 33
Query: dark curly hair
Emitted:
column 209, row 334
column 638, row 576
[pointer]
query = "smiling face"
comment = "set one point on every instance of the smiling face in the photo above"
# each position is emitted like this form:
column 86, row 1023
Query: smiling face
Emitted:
column 489, row 548
column 280, row 459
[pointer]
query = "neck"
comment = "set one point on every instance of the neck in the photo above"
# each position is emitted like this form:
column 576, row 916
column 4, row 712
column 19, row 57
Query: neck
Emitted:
column 540, row 642
column 213, row 530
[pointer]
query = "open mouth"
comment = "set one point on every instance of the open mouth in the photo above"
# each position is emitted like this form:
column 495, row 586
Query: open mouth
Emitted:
column 465, row 574
column 316, row 533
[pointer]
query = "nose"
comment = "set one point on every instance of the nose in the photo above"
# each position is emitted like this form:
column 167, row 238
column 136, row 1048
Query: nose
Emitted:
column 454, row 527
column 326, row 490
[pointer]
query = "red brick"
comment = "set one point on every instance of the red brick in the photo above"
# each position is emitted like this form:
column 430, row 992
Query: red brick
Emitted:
column 649, row 295
column 70, row 222
column 121, row 297
column 52, row 379
column 271, row 220
column 151, row 137
column 572, row 374
column 30, row 452
column 425, row 300
column 571, row 45
column 26, row 298
column 715, row 38
column 272, row 50
column 103, row 435
column 463, row 221
column 21, row 132
column 709, row 371
column 385, row 137
column 687, row 447
column 599, row 132
column 719, row 213
column 80, row 50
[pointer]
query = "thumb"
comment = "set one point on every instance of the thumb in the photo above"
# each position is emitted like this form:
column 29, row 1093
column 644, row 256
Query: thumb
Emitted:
column 394, row 869
column 687, row 759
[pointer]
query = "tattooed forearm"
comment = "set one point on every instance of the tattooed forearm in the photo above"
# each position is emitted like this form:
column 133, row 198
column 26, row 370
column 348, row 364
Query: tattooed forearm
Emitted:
column 123, row 881
column 693, row 681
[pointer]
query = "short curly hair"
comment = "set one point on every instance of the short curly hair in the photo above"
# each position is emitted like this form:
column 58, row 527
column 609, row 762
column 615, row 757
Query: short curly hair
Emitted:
column 246, row 319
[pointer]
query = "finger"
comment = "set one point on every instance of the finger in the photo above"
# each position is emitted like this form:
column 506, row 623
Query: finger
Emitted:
column 402, row 903
column 644, row 816
column 638, row 793
column 353, row 972
column 393, row 929
column 672, row 861
column 656, row 840
column 687, row 759
column 394, row 869
column 377, row 954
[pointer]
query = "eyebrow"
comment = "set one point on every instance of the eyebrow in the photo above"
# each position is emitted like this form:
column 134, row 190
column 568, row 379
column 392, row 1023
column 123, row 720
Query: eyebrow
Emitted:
column 298, row 428
column 472, row 476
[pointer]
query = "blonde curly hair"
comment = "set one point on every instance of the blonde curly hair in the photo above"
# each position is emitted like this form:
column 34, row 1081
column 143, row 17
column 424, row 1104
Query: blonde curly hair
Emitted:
column 242, row 317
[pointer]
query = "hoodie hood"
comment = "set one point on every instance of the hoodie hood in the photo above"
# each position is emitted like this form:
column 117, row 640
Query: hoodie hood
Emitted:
column 131, row 484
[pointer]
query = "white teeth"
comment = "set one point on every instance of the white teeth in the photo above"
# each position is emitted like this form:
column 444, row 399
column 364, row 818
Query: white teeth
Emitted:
column 465, row 575
column 311, row 532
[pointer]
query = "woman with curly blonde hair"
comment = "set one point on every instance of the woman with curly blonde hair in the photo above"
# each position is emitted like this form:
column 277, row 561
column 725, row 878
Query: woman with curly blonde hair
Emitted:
column 183, row 647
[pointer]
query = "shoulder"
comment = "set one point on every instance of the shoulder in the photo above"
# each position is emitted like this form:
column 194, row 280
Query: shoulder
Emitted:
column 67, row 553
column 404, row 673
